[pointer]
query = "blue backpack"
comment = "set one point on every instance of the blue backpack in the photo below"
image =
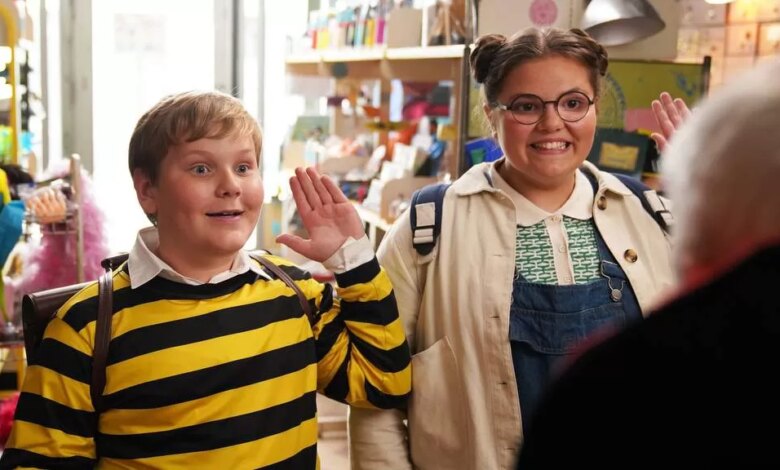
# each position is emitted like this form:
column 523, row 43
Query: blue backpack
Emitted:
column 424, row 237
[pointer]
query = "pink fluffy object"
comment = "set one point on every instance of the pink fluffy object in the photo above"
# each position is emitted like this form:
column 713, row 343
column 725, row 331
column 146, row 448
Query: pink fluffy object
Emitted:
column 7, row 409
column 52, row 262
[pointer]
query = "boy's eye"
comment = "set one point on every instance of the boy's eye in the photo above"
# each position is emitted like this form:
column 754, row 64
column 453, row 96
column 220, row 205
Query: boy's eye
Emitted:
column 200, row 169
column 243, row 168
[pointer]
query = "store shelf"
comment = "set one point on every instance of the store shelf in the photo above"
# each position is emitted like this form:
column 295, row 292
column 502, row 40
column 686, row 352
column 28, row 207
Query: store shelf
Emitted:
column 372, row 217
column 376, row 226
column 376, row 54
column 432, row 52
column 441, row 62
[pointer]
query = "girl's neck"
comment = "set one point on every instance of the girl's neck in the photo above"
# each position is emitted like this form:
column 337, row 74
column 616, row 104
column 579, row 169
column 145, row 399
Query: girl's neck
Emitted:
column 548, row 197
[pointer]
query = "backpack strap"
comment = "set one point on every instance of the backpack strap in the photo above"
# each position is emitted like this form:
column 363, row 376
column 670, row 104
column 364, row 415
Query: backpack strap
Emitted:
column 651, row 201
column 105, row 311
column 103, row 328
column 102, row 337
column 425, row 216
column 284, row 277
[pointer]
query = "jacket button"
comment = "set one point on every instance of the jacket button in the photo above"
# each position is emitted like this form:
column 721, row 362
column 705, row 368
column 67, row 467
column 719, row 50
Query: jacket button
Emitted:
column 602, row 203
column 630, row 256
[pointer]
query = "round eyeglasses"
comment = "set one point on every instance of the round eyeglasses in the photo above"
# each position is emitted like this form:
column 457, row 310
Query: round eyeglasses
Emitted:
column 529, row 109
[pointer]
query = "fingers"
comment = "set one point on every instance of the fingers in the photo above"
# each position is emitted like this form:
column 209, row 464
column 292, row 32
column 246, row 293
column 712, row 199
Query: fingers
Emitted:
column 324, row 195
column 335, row 192
column 670, row 106
column 662, row 118
column 307, row 188
column 301, row 202
column 660, row 141
column 661, row 111
column 675, row 109
column 294, row 242
column 682, row 108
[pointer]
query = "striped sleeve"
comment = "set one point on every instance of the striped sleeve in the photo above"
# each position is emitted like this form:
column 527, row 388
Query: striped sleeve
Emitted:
column 363, row 357
column 55, row 422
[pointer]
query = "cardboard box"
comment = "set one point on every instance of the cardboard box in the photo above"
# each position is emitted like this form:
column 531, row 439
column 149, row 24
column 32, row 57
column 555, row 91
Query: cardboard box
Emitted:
column 404, row 27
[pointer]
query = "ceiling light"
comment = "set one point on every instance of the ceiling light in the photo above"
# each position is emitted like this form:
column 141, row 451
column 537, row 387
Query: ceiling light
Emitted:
column 615, row 22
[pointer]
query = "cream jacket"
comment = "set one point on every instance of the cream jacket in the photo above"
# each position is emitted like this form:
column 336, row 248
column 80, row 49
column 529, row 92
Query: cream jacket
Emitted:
column 464, row 410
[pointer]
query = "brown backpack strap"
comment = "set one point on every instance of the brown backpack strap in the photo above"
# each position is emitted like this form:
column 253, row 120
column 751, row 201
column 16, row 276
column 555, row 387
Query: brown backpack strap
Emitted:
column 103, row 329
column 279, row 272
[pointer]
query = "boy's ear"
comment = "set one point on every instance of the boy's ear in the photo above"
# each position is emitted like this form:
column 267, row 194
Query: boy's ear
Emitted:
column 146, row 191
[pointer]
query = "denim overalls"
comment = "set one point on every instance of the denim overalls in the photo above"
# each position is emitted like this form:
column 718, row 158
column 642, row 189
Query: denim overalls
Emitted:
column 547, row 321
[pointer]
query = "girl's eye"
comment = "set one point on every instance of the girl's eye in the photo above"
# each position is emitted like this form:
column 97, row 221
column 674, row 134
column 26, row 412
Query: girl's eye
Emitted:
column 243, row 168
column 524, row 106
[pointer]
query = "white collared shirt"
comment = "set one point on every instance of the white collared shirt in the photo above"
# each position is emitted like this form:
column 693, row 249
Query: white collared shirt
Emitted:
column 579, row 206
column 145, row 265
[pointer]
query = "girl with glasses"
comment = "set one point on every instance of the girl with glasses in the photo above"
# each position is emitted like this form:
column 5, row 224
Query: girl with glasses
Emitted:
column 538, row 252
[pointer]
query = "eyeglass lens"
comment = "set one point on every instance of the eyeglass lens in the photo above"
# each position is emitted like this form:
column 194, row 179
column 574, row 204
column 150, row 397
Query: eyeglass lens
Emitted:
column 529, row 109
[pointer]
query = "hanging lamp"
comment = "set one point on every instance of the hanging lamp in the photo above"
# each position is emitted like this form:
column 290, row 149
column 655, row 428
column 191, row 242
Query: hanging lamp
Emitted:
column 616, row 22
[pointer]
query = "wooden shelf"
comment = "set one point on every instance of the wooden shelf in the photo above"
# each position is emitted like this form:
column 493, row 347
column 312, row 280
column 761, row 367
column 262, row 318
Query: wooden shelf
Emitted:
column 432, row 52
column 372, row 217
column 376, row 54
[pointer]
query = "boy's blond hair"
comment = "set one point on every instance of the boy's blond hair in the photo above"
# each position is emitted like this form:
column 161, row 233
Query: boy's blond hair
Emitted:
column 186, row 117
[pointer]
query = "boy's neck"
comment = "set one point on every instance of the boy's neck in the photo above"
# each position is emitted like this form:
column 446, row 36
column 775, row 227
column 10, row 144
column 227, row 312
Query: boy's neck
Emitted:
column 201, row 268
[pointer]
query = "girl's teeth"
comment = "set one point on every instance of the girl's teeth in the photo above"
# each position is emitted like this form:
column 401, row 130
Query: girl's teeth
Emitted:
column 551, row 145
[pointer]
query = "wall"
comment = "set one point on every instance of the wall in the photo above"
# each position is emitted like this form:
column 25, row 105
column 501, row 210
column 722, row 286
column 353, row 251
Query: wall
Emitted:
column 737, row 36
column 509, row 16
column 146, row 49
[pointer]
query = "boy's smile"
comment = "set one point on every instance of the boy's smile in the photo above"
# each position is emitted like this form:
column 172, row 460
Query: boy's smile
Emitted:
column 207, row 201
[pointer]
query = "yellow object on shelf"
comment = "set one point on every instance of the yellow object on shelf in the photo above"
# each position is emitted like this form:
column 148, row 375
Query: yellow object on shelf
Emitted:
column 8, row 16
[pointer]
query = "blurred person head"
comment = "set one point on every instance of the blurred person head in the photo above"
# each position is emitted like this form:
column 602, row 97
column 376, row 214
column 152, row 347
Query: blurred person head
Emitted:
column 722, row 170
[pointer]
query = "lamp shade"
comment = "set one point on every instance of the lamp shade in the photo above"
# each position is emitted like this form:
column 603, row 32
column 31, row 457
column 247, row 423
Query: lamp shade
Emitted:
column 615, row 22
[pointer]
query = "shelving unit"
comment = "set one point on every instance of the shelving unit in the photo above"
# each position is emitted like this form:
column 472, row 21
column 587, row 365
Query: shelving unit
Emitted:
column 9, row 36
column 421, row 64
column 442, row 63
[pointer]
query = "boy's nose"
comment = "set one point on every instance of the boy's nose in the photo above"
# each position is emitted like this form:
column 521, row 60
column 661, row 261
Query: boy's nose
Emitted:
column 229, row 186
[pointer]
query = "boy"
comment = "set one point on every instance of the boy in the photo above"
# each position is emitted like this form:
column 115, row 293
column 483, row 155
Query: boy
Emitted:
column 212, row 363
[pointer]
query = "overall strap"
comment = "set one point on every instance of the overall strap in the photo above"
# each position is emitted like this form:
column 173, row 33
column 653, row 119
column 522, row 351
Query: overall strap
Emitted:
column 425, row 216
column 279, row 273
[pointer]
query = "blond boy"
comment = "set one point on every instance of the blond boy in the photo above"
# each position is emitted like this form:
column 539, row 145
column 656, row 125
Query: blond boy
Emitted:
column 212, row 362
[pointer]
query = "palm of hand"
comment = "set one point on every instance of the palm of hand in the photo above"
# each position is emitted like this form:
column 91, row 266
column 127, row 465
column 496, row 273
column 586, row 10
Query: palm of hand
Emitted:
column 328, row 216
column 329, row 226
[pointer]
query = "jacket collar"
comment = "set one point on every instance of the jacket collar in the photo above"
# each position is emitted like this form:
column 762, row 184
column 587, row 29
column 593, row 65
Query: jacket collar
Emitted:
column 607, row 182
column 477, row 179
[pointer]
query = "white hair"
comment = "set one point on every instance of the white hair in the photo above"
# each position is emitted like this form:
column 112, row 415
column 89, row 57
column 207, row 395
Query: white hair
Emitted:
column 722, row 170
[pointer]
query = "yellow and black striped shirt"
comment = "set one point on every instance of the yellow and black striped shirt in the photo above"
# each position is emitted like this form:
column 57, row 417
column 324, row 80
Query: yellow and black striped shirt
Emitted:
column 210, row 376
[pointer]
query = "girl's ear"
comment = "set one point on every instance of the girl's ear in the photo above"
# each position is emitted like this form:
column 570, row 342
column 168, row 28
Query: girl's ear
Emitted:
column 146, row 191
column 489, row 117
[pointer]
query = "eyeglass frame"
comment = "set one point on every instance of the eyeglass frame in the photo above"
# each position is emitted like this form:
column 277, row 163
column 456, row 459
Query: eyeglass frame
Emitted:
column 555, row 102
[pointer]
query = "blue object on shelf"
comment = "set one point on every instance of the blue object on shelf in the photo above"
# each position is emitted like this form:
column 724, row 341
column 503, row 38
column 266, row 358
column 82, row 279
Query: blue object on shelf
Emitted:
column 482, row 150
column 11, row 217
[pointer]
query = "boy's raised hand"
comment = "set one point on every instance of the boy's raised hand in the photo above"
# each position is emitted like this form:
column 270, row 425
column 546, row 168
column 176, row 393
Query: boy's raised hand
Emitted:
column 327, row 215
column 670, row 114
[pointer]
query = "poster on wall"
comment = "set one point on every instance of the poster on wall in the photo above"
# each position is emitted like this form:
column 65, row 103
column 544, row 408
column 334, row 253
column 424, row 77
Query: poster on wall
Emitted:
column 631, row 85
column 507, row 18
